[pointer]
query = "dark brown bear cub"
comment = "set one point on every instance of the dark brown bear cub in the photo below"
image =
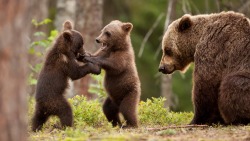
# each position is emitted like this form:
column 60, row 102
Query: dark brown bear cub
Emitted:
column 60, row 66
column 122, row 83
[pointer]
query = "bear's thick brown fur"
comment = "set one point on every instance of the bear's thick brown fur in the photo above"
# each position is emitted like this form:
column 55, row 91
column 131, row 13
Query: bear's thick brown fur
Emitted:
column 60, row 66
column 219, row 46
column 122, row 83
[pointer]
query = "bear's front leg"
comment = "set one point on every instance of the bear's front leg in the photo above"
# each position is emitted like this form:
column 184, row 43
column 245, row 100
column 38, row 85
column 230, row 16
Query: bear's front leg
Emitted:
column 205, row 101
column 106, row 63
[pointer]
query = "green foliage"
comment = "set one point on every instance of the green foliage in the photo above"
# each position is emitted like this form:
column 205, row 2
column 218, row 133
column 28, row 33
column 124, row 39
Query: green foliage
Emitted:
column 31, row 79
column 87, row 112
column 37, row 48
column 31, row 107
column 98, row 87
column 43, row 22
column 90, row 114
column 152, row 112
column 89, row 119
column 44, row 43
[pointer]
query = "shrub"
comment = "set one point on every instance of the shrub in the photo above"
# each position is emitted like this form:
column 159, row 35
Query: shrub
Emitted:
column 153, row 112
column 38, row 47
column 87, row 112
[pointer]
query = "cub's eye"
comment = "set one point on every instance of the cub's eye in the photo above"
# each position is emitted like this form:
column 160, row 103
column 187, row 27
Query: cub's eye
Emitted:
column 79, row 47
column 108, row 33
column 168, row 52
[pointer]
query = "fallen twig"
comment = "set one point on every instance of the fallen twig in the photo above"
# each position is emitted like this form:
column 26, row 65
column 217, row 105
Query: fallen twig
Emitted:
column 183, row 126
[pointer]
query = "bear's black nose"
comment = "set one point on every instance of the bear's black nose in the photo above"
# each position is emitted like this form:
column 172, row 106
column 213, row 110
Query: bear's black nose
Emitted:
column 97, row 40
column 161, row 69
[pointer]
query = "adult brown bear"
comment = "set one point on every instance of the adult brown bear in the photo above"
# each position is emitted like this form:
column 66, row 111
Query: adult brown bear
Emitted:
column 219, row 46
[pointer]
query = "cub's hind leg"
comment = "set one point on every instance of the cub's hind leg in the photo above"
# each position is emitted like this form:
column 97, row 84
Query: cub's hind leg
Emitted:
column 40, row 117
column 111, row 112
column 64, row 112
column 129, row 109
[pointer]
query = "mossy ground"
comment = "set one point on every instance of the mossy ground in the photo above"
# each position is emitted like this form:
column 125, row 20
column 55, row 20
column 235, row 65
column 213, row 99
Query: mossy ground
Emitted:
column 91, row 124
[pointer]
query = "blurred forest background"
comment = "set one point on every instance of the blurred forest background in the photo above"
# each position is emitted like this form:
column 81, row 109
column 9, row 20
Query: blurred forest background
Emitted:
column 149, row 17
column 28, row 28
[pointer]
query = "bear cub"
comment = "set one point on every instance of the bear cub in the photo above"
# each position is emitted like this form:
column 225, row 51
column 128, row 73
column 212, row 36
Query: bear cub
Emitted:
column 219, row 46
column 116, row 57
column 60, row 65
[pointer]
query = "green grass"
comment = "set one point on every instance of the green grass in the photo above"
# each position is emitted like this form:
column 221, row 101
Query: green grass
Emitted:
column 91, row 124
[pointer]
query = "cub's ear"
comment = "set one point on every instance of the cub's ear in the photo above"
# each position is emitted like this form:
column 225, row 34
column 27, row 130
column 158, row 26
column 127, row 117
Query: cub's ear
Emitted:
column 67, row 26
column 67, row 36
column 185, row 23
column 127, row 27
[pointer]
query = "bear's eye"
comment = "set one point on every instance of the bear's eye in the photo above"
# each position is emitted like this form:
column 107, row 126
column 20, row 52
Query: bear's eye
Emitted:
column 80, row 45
column 108, row 33
column 168, row 52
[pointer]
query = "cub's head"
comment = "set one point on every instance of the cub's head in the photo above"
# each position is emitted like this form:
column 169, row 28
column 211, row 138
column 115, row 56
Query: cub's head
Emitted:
column 73, row 39
column 114, row 35
column 178, row 45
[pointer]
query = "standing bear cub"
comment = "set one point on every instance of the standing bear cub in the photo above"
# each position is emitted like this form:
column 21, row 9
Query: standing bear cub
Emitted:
column 116, row 57
column 219, row 46
column 60, row 66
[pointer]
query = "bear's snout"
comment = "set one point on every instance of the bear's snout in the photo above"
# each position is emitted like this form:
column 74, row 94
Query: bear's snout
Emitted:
column 97, row 40
column 161, row 69
column 166, row 69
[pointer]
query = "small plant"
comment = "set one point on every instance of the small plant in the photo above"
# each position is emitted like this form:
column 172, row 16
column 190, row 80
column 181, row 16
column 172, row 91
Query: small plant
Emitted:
column 153, row 112
column 98, row 87
column 43, row 22
column 38, row 48
column 89, row 121
column 87, row 112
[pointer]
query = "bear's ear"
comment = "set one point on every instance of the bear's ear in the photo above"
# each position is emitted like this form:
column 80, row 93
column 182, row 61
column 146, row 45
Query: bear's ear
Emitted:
column 127, row 27
column 67, row 36
column 185, row 23
column 67, row 26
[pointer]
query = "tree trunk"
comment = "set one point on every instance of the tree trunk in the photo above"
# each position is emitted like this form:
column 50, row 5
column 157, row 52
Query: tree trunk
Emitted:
column 65, row 10
column 89, row 23
column 166, row 80
column 39, row 12
column 14, row 26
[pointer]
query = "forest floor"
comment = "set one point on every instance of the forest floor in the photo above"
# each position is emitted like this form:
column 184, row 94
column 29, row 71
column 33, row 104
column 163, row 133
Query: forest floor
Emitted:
column 156, row 124
column 218, row 133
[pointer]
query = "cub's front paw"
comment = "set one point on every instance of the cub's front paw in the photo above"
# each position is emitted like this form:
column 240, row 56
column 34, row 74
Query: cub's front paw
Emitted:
column 89, row 59
column 87, row 54
column 80, row 57
column 94, row 69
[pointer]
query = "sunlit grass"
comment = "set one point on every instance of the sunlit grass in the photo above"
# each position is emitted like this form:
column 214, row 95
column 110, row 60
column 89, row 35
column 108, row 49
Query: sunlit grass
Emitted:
column 90, row 122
